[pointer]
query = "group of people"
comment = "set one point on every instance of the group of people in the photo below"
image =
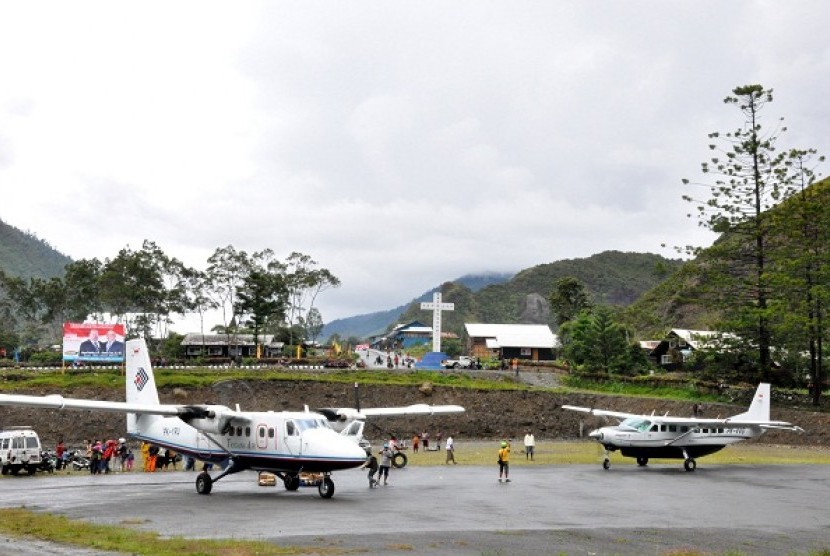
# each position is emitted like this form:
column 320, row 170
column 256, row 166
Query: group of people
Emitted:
column 422, row 439
column 108, row 456
column 157, row 458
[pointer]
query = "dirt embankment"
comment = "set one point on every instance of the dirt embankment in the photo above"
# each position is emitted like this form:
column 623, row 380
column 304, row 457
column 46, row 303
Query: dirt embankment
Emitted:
column 489, row 414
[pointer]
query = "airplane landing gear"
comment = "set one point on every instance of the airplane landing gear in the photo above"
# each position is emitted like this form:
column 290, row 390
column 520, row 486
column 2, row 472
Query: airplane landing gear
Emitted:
column 204, row 483
column 326, row 487
column 291, row 482
column 689, row 464
column 642, row 462
column 606, row 464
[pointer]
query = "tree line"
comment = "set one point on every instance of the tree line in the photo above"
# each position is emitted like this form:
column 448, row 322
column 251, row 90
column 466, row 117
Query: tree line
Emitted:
column 144, row 289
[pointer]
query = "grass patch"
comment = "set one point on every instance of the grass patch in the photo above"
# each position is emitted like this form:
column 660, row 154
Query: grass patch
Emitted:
column 477, row 452
column 21, row 522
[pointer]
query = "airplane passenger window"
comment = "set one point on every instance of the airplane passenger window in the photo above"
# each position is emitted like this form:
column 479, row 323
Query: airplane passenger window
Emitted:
column 247, row 431
column 270, row 433
column 684, row 428
column 238, row 431
column 230, row 431
column 262, row 432
column 672, row 428
column 662, row 428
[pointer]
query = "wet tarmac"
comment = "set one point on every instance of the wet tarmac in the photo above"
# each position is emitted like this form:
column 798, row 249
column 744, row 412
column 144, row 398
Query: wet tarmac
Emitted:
column 572, row 509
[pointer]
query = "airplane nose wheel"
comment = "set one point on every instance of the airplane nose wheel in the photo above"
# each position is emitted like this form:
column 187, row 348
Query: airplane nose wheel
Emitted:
column 690, row 465
column 606, row 464
column 204, row 483
column 326, row 488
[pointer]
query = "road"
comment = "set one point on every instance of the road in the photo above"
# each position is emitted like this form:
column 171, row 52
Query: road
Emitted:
column 571, row 509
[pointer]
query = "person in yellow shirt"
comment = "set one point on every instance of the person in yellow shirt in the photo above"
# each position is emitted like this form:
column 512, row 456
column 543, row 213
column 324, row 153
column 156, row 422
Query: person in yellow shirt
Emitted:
column 145, row 456
column 504, row 461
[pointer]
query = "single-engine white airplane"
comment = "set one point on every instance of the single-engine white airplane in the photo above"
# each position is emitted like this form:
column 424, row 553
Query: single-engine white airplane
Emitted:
column 654, row 436
column 284, row 443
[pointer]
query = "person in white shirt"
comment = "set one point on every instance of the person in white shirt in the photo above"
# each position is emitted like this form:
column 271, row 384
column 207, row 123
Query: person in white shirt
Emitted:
column 530, row 445
column 450, row 450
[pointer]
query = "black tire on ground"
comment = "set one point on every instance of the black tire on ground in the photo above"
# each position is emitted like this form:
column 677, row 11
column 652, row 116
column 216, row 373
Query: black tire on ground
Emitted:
column 291, row 482
column 642, row 462
column 326, row 488
column 204, row 483
column 606, row 464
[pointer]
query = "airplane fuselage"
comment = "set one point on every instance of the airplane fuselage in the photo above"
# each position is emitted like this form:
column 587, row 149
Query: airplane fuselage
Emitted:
column 644, row 438
column 272, row 441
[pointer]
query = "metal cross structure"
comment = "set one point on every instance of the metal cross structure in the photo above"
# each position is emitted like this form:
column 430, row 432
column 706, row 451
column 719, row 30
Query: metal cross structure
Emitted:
column 436, row 307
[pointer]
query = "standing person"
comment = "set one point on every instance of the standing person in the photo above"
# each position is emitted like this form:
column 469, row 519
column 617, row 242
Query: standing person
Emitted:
column 385, row 463
column 59, row 451
column 95, row 459
column 504, row 461
column 145, row 455
column 451, row 450
column 425, row 439
column 415, row 440
column 371, row 464
column 438, row 436
column 530, row 445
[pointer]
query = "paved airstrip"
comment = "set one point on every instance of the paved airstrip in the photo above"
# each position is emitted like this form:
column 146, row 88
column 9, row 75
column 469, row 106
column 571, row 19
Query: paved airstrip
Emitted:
column 570, row 509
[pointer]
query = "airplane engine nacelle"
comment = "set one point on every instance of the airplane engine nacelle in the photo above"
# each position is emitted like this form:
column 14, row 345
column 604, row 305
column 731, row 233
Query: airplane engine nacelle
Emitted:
column 349, row 414
column 208, row 418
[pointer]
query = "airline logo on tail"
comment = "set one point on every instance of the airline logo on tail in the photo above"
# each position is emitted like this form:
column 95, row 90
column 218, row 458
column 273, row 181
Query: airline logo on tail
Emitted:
column 141, row 379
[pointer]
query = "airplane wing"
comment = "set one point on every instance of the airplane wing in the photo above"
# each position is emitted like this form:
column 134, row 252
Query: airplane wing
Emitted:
column 348, row 413
column 415, row 409
column 185, row 412
column 621, row 415
column 56, row 401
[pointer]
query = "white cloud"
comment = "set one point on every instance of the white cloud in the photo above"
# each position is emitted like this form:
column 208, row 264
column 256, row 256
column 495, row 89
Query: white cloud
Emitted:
column 400, row 145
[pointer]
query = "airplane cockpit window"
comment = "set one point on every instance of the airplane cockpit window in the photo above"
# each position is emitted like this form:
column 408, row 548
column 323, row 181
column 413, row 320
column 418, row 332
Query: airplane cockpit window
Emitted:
column 307, row 424
column 641, row 425
column 291, row 429
column 353, row 429
column 654, row 428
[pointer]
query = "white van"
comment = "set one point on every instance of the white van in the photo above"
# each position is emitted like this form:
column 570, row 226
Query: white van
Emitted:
column 19, row 449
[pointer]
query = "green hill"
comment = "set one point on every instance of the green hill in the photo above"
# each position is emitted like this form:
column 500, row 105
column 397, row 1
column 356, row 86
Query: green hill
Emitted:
column 676, row 302
column 611, row 277
column 25, row 256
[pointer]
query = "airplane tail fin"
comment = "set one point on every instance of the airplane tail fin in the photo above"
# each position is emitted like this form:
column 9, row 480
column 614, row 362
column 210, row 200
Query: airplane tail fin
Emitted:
column 759, row 409
column 140, row 384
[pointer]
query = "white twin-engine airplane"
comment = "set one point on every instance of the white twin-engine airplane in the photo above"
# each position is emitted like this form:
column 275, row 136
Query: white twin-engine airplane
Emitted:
column 281, row 442
column 654, row 436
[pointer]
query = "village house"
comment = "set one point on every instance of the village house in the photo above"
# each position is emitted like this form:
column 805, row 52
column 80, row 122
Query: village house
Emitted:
column 534, row 342
column 231, row 346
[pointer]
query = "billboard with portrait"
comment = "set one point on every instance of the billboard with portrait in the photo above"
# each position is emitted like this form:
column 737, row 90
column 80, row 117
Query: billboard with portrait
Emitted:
column 93, row 342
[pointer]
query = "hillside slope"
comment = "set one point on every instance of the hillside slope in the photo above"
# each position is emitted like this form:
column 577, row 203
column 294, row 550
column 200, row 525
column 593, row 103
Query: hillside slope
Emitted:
column 25, row 256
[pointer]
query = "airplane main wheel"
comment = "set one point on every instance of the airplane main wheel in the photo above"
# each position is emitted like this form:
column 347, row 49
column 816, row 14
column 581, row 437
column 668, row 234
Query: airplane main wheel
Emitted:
column 399, row 460
column 291, row 482
column 204, row 483
column 326, row 488
column 690, row 465
column 606, row 464
column 642, row 462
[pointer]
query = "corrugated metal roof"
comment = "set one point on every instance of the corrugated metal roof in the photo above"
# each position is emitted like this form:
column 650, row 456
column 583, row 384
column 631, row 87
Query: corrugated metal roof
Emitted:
column 515, row 335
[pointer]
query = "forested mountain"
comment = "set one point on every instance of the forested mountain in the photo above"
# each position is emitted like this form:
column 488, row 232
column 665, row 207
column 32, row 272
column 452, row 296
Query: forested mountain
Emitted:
column 611, row 277
column 25, row 256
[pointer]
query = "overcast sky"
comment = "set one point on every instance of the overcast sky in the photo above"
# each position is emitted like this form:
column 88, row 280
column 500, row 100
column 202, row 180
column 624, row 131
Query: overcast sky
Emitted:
column 399, row 144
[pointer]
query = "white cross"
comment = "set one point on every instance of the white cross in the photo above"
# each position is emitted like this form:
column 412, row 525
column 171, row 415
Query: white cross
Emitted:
column 436, row 307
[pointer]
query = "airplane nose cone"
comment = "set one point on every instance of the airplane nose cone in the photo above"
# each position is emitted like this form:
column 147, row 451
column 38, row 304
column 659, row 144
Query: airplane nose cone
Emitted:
column 596, row 434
